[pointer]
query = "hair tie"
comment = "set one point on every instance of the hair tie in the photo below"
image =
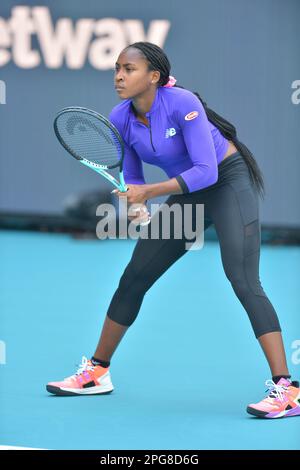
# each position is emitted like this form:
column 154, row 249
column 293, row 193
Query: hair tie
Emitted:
column 171, row 82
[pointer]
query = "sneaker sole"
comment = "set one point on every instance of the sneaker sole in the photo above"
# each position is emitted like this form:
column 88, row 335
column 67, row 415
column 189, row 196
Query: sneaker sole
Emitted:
column 72, row 391
column 265, row 414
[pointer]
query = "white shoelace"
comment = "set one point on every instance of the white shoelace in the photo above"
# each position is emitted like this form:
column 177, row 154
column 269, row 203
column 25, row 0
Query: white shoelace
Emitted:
column 82, row 367
column 275, row 390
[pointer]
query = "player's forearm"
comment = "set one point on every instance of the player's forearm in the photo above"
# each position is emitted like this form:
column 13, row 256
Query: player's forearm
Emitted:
column 166, row 187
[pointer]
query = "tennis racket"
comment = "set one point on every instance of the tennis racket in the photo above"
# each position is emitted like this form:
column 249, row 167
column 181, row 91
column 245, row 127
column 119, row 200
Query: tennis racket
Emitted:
column 94, row 141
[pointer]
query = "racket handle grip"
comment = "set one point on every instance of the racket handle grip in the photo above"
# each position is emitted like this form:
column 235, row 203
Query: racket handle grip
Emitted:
column 116, row 190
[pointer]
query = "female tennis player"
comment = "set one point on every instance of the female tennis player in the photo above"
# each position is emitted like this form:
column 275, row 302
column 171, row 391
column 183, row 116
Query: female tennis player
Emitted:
column 166, row 125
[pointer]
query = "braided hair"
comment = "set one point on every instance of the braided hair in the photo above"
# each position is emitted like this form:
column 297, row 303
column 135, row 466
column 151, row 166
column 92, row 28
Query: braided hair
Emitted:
column 157, row 60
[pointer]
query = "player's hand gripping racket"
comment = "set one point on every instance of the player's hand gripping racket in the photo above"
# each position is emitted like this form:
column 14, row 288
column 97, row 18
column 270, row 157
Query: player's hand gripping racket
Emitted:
column 94, row 141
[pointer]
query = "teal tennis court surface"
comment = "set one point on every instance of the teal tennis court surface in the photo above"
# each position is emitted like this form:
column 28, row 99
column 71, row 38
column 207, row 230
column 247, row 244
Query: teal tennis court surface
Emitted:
column 184, row 372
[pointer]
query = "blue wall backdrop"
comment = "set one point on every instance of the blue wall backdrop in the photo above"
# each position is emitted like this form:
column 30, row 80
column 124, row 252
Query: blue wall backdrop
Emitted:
column 241, row 56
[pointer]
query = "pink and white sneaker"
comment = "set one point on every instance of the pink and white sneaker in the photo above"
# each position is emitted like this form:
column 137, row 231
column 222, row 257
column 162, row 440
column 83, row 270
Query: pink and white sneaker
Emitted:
column 283, row 400
column 88, row 380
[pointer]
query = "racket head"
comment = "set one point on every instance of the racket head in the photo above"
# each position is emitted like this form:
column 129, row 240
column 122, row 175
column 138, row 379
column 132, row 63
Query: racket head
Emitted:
column 90, row 136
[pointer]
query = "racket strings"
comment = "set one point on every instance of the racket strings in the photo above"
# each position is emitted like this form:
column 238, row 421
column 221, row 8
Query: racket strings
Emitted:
column 88, row 137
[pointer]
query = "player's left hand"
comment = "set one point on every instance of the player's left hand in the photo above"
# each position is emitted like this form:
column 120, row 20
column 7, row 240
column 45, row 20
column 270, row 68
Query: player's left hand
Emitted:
column 135, row 194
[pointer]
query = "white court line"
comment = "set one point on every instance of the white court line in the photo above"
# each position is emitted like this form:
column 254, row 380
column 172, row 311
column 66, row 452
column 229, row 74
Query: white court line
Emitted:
column 18, row 448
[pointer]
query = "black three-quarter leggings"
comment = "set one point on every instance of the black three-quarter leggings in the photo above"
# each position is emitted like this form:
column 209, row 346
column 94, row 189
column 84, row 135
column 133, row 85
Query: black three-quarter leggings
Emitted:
column 231, row 205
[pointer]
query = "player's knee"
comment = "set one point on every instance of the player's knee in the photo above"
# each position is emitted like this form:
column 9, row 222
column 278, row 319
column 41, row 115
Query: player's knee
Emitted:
column 240, row 288
column 133, row 281
column 245, row 287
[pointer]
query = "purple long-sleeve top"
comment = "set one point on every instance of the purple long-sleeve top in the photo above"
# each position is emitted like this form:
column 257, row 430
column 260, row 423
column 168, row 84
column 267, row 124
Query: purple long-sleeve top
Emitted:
column 179, row 139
